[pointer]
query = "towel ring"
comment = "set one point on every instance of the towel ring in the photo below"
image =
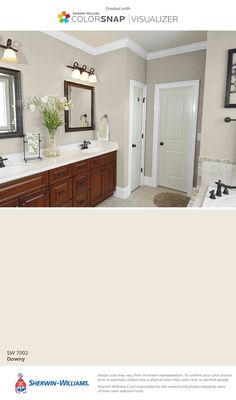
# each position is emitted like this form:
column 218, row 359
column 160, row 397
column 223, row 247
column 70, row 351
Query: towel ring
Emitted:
column 104, row 116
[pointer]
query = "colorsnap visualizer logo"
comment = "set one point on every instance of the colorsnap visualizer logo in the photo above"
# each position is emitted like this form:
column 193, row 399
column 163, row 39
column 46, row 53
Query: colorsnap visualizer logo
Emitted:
column 64, row 17
column 81, row 18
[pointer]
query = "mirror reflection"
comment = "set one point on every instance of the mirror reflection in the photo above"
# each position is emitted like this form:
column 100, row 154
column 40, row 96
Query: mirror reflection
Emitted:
column 10, row 103
column 80, row 117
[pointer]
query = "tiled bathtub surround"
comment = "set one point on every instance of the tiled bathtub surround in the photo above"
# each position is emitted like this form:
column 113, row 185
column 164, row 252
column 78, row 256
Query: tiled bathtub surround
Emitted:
column 209, row 171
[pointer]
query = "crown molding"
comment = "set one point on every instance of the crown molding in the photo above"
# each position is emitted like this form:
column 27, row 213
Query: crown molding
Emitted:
column 72, row 41
column 124, row 43
column 79, row 44
column 177, row 50
column 133, row 46
column 120, row 44
column 116, row 45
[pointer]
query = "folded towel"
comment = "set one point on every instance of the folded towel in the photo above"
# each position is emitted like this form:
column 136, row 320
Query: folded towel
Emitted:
column 103, row 129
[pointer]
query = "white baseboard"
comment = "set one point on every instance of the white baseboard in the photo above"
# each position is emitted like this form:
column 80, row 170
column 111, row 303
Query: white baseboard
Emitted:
column 148, row 181
column 122, row 193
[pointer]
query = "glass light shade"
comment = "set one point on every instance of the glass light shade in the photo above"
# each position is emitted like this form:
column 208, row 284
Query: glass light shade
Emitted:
column 76, row 74
column 93, row 78
column 84, row 76
column 9, row 55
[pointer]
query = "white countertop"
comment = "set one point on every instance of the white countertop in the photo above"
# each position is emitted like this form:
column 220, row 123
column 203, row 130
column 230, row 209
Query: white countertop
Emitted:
column 16, row 168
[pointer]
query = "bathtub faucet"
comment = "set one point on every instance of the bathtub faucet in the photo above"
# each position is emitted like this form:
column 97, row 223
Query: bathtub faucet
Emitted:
column 219, row 185
column 223, row 185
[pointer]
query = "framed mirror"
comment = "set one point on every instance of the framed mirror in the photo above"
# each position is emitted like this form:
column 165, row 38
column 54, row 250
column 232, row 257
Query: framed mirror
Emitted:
column 11, row 120
column 81, row 116
column 230, row 93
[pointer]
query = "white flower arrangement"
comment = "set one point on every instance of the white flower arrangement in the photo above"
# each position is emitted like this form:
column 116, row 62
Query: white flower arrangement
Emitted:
column 51, row 109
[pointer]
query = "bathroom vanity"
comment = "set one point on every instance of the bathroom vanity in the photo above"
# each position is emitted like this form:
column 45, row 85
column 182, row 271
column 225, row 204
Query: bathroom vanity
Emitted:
column 75, row 179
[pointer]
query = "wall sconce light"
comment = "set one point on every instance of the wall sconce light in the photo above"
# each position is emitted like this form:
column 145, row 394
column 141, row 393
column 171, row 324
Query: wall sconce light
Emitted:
column 92, row 76
column 9, row 54
column 82, row 73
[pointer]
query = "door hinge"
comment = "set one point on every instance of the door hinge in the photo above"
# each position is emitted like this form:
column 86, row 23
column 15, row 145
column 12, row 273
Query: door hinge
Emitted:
column 141, row 170
column 144, row 99
column 142, row 135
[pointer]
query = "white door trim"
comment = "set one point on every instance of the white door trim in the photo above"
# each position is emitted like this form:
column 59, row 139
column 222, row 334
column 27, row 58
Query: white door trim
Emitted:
column 155, row 154
column 134, row 84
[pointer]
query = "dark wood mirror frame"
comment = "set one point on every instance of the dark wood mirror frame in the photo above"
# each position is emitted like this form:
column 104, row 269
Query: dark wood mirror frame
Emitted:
column 18, row 100
column 67, row 85
column 231, row 71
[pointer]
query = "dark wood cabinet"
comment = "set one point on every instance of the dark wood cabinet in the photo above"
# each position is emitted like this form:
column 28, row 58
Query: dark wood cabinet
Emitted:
column 103, row 178
column 82, row 184
column 109, row 179
column 97, row 186
column 68, row 203
column 37, row 199
column 59, row 174
column 83, row 200
column 81, row 167
column 11, row 203
column 61, row 192
column 23, row 186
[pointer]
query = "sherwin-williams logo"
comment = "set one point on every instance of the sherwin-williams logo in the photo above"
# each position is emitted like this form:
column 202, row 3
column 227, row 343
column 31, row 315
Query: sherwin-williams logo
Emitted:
column 64, row 17
column 20, row 386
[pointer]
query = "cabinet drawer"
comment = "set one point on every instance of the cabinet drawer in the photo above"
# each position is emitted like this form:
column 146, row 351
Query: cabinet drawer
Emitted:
column 81, row 183
column 59, row 174
column 36, row 199
column 68, row 203
column 81, row 167
column 102, row 160
column 11, row 203
column 61, row 192
column 83, row 200
column 22, row 186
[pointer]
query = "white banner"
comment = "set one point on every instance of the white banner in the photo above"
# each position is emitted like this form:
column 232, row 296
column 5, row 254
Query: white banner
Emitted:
column 117, row 15
column 128, row 383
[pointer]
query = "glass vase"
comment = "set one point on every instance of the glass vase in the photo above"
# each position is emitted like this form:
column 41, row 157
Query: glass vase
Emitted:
column 52, row 150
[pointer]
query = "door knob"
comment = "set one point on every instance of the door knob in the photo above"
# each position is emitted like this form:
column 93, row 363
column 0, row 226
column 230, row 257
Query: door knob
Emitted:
column 133, row 145
column 161, row 143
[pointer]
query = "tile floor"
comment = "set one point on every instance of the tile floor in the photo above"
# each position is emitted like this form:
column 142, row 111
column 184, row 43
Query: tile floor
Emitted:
column 141, row 197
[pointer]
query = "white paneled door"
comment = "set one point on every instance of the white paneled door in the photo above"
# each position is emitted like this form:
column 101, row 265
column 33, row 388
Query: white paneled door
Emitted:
column 137, row 137
column 176, row 115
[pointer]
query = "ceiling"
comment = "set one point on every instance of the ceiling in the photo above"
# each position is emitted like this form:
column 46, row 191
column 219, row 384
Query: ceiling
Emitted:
column 150, row 41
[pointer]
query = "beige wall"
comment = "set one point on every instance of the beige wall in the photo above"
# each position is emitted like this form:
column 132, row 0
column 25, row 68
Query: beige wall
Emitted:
column 43, row 60
column 115, row 69
column 218, row 138
column 110, row 99
column 181, row 67
column 136, row 70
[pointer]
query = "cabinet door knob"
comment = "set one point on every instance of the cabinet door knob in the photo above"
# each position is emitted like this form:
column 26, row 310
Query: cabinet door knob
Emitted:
column 133, row 145
column 161, row 143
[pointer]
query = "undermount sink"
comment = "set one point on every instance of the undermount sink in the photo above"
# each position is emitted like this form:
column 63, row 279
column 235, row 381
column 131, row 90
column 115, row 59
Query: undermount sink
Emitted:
column 92, row 150
column 11, row 170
